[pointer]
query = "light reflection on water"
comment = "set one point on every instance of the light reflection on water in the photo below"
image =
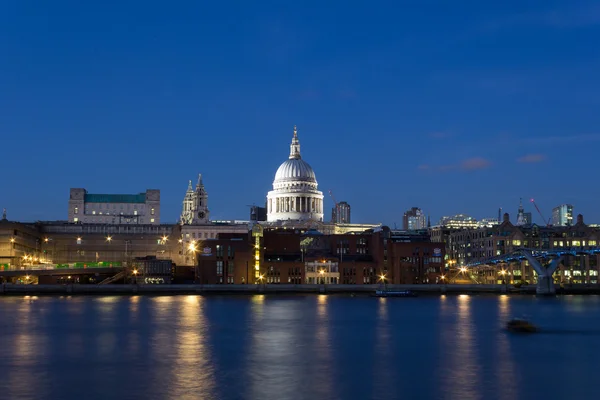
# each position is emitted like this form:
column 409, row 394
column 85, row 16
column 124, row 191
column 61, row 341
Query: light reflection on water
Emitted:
column 294, row 347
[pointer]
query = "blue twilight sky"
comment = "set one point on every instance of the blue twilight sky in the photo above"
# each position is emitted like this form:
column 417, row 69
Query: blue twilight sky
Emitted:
column 452, row 106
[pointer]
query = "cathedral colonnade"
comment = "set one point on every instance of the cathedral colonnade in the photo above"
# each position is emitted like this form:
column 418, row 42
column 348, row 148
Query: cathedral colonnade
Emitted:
column 304, row 204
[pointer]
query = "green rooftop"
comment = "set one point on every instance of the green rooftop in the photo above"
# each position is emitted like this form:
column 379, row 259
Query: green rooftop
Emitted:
column 115, row 198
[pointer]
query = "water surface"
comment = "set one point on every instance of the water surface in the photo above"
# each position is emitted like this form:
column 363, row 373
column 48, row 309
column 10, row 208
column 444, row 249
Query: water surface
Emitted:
column 297, row 347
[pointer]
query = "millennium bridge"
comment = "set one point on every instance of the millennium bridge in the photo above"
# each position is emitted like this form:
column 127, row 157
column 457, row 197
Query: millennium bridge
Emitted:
column 543, row 262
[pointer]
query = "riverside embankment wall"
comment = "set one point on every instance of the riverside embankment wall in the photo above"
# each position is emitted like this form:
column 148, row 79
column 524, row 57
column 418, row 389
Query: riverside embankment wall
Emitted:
column 8, row 289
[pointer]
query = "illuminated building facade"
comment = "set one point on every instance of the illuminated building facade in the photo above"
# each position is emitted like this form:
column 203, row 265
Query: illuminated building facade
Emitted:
column 195, row 204
column 340, row 213
column 414, row 219
column 562, row 215
column 295, row 194
column 114, row 209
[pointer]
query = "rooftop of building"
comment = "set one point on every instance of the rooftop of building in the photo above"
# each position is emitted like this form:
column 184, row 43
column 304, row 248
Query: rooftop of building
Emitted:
column 115, row 198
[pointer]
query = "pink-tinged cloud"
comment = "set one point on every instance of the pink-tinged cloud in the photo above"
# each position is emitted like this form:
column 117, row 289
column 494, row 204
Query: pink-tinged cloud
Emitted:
column 476, row 163
column 471, row 164
column 532, row 158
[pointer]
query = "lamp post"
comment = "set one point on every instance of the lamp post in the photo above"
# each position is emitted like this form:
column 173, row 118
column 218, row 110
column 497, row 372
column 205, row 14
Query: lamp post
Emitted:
column 12, row 244
column 382, row 278
column 322, row 273
column 192, row 249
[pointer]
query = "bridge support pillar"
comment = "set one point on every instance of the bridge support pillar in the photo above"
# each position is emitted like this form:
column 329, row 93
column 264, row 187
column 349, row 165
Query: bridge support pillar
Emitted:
column 545, row 285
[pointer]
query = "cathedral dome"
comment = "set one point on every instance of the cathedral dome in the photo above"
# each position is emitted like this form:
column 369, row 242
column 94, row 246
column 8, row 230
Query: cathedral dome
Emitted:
column 295, row 195
column 295, row 169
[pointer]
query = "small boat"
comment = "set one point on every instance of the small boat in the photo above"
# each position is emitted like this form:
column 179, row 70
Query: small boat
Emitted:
column 521, row 326
column 394, row 293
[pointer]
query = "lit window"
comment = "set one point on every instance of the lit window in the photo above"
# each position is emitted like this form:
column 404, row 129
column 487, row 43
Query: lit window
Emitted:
column 75, row 219
column 576, row 243
column 78, row 240
column 152, row 211
column 93, row 212
column 134, row 212
column 592, row 243
column 151, row 219
column 76, row 210
column 516, row 242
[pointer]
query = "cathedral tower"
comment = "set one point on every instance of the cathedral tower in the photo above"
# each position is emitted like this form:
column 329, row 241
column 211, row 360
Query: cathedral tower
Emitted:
column 195, row 204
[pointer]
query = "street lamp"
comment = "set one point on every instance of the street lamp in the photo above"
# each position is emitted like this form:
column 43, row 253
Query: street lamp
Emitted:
column 382, row 278
column 135, row 272
column 322, row 273
column 109, row 239
column 12, row 245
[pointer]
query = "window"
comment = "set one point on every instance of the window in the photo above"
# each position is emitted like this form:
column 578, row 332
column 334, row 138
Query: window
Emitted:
column 78, row 240
column 76, row 210
column 134, row 212
column 219, row 250
column 516, row 242
column 576, row 243
column 75, row 219
column 219, row 267
column 94, row 212
column 151, row 220
column 152, row 211
column 230, row 251
column 230, row 268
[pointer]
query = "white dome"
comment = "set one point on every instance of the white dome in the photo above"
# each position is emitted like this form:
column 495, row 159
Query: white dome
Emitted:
column 295, row 169
column 295, row 195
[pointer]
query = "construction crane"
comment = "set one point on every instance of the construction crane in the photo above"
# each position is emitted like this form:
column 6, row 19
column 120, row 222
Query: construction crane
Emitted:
column 333, row 198
column 539, row 212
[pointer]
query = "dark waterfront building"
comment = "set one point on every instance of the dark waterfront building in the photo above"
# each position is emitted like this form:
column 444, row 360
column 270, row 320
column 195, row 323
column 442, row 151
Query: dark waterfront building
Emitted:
column 151, row 271
column 289, row 256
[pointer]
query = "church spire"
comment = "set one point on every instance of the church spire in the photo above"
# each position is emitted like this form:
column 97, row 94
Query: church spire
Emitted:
column 190, row 186
column 295, row 146
column 199, row 184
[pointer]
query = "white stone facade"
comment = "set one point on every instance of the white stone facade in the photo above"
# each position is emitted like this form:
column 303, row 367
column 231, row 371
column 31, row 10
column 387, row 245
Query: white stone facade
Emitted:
column 295, row 194
column 195, row 205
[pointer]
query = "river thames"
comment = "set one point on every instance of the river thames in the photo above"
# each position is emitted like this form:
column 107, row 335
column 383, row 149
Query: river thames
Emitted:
column 297, row 347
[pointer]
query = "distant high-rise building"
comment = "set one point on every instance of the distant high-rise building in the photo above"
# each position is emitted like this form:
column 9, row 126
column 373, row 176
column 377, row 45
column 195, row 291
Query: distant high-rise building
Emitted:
column 258, row 213
column 340, row 213
column 458, row 221
column 562, row 215
column 414, row 219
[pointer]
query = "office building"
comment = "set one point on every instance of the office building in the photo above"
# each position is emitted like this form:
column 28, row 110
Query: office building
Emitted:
column 114, row 209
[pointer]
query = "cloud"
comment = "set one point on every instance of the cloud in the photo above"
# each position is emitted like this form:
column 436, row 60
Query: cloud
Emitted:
column 531, row 158
column 470, row 164
column 476, row 163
